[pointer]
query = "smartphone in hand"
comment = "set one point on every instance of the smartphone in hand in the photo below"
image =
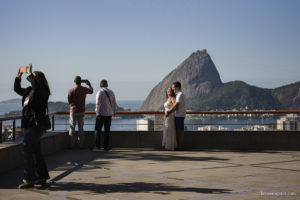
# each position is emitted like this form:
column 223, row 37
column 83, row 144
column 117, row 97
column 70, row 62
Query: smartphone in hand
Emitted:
column 83, row 81
column 23, row 69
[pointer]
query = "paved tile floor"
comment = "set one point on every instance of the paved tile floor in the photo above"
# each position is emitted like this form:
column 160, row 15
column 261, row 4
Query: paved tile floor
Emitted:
column 127, row 174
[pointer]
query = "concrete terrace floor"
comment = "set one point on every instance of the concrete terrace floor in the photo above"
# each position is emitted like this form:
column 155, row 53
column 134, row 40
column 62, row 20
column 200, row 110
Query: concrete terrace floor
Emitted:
column 144, row 174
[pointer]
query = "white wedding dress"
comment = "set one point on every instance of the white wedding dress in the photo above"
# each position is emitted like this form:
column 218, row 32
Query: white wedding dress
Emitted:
column 169, row 132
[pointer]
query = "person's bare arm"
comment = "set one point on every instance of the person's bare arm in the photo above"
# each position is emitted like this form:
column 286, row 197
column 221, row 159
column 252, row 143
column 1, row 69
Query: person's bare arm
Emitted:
column 70, row 99
column 173, row 100
column 174, row 107
column 90, row 86
column 17, row 85
column 30, row 69
column 19, row 75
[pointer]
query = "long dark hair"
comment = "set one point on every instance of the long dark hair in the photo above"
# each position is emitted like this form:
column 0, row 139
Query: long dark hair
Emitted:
column 172, row 95
column 41, row 80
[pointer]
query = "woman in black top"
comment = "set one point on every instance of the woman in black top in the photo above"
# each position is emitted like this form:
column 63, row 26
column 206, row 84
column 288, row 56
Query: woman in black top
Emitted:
column 34, row 102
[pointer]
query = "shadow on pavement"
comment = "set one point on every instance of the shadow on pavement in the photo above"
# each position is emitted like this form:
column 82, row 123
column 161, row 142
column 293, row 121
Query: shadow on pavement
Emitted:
column 136, row 187
column 57, row 162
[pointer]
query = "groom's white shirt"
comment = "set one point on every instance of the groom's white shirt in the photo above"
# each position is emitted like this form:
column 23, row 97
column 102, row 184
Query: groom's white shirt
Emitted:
column 180, row 111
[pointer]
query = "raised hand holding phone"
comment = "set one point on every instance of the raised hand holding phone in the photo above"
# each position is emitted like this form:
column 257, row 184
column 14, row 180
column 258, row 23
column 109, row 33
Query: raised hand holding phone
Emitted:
column 23, row 69
column 30, row 69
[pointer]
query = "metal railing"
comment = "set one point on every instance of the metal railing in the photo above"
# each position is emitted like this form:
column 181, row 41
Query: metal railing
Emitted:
column 204, row 113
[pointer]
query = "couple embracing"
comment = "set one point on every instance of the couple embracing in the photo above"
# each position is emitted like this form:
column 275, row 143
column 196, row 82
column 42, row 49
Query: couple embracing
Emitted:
column 173, row 131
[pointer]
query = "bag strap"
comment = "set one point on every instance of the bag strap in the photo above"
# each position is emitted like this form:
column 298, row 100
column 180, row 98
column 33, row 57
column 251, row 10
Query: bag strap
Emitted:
column 108, row 97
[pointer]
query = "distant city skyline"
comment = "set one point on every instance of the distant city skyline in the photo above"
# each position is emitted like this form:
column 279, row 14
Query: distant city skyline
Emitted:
column 134, row 44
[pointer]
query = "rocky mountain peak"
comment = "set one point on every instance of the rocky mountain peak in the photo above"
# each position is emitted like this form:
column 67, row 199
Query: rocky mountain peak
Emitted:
column 202, row 52
column 197, row 74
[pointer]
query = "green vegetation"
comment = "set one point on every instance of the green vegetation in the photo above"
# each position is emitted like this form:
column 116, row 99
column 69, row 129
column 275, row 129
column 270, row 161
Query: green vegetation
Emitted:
column 297, row 84
column 235, row 95
column 60, row 106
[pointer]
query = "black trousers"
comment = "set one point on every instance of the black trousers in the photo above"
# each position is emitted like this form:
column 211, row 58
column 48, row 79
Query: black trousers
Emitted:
column 100, row 121
column 35, row 167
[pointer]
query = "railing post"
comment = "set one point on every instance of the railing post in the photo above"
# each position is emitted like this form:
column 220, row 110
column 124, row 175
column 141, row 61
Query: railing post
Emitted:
column 0, row 131
column 14, row 130
column 53, row 124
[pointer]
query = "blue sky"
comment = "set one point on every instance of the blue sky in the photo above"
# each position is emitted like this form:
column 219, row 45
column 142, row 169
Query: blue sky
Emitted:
column 134, row 44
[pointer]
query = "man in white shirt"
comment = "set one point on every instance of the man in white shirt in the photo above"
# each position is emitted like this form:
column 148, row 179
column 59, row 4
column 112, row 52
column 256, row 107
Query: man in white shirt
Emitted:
column 106, row 107
column 180, row 112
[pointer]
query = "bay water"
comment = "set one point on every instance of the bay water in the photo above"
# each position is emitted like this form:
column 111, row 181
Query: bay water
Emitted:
column 62, row 123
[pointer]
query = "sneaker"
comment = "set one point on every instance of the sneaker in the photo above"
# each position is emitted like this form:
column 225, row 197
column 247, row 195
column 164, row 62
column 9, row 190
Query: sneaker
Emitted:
column 26, row 185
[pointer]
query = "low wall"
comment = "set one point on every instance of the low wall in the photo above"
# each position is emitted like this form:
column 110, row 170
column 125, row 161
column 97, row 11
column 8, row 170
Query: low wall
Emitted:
column 244, row 140
column 11, row 155
column 227, row 140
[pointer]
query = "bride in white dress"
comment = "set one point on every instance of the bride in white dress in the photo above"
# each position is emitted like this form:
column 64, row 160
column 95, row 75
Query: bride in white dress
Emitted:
column 169, row 132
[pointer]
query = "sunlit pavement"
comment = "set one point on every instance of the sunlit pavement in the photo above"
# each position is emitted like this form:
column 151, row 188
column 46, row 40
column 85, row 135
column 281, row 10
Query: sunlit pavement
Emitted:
column 148, row 174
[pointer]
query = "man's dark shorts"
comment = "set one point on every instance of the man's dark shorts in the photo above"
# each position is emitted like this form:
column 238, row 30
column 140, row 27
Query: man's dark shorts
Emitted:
column 179, row 123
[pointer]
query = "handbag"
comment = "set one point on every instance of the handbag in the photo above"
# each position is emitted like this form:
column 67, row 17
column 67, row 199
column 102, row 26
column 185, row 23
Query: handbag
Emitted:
column 43, row 122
